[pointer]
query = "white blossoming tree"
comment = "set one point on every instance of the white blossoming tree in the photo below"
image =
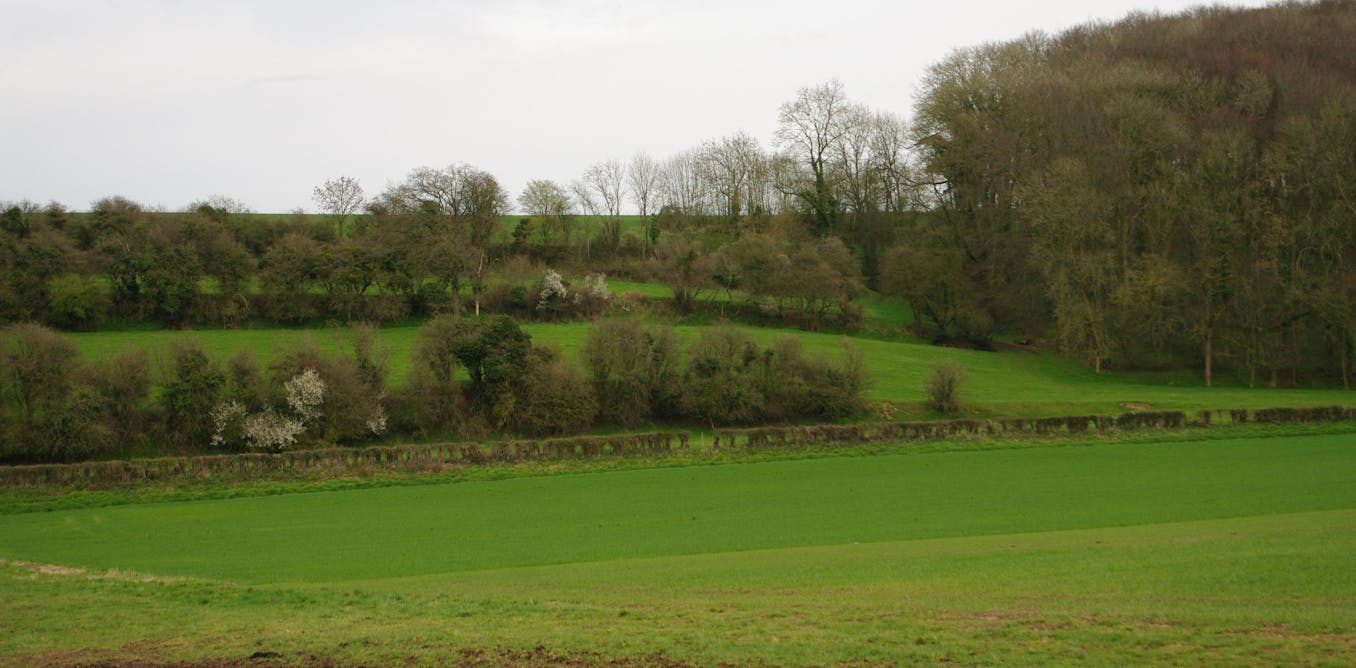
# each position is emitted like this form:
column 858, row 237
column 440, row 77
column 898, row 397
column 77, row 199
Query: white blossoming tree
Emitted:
column 272, row 430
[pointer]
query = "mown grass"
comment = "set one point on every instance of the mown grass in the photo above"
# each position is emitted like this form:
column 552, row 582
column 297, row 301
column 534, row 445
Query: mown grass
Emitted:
column 1046, row 384
column 1229, row 551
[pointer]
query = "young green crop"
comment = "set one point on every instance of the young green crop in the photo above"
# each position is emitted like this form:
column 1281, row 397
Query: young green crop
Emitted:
column 354, row 535
column 1230, row 551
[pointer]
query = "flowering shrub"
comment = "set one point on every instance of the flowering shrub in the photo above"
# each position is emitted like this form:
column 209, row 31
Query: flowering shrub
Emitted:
column 377, row 423
column 226, row 423
column 306, row 394
column 553, row 293
column 556, row 299
column 271, row 431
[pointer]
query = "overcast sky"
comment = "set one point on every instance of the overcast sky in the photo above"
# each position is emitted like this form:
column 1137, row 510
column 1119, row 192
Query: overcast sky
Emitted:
column 173, row 101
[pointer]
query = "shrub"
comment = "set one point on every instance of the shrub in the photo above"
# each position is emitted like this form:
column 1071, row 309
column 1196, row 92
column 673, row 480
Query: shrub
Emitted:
column 267, row 431
column 431, row 401
column 635, row 370
column 557, row 299
column 555, row 399
column 123, row 385
column 796, row 387
column 342, row 397
column 721, row 387
column 37, row 369
column 495, row 355
column 942, row 389
column 191, row 390
column 245, row 381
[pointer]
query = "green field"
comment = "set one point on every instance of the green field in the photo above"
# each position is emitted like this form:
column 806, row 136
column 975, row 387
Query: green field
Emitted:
column 1221, row 551
column 1006, row 383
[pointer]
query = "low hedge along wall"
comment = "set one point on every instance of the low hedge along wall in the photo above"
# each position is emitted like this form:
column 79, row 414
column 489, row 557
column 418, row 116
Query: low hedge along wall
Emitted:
column 427, row 458
column 773, row 437
column 406, row 458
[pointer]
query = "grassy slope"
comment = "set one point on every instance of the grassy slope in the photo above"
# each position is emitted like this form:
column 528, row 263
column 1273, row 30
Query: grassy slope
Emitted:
column 1045, row 384
column 1115, row 553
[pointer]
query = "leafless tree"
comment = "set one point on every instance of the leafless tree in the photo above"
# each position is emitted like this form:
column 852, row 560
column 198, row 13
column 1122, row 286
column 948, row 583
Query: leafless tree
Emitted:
column 586, row 204
column 340, row 198
column 642, row 175
column 810, row 128
column 605, row 180
column 681, row 185
column 730, row 165
column 890, row 161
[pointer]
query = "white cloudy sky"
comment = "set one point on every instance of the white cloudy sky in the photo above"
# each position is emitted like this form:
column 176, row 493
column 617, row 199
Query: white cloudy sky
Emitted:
column 171, row 101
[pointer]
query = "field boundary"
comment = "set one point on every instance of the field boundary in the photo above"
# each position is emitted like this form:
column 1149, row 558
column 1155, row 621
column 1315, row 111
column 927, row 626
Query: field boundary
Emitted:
column 446, row 456
column 874, row 432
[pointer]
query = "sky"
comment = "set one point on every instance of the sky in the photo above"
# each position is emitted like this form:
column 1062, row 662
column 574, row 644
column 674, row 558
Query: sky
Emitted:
column 168, row 102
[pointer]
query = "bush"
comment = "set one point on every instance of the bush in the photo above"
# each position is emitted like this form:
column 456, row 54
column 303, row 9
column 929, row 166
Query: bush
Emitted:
column 635, row 371
column 942, row 389
column 343, row 398
column 557, row 299
column 122, row 384
column 721, row 387
column 37, row 369
column 555, row 398
column 797, row 387
column 192, row 389
column 245, row 381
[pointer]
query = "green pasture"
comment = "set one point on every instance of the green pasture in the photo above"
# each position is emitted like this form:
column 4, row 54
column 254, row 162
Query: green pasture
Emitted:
column 1000, row 383
column 1233, row 551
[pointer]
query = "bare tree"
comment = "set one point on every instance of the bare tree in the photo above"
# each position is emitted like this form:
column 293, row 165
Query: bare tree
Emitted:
column 681, row 184
column 852, row 158
column 583, row 197
column 810, row 127
column 890, row 161
column 730, row 165
column 642, row 174
column 605, row 179
column 340, row 198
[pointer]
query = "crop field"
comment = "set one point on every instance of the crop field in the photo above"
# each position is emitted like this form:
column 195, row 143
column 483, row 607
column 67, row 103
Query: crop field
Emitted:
column 1048, row 384
column 1220, row 551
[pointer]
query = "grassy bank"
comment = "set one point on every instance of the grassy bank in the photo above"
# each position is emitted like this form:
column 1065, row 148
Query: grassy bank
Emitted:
column 1046, row 384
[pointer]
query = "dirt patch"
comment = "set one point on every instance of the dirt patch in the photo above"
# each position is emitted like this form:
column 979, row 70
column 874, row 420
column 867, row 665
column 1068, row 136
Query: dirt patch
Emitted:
column 537, row 657
column 542, row 657
column 69, row 571
column 1136, row 405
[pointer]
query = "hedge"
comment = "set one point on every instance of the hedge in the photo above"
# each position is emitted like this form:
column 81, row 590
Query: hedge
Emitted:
column 402, row 458
column 874, row 432
column 444, row 456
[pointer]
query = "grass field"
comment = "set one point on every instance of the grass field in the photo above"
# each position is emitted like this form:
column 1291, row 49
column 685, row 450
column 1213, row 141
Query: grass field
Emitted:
column 1044, row 384
column 1233, row 551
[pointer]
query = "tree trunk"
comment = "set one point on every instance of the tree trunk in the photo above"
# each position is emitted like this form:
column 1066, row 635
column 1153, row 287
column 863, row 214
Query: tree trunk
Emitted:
column 1209, row 356
column 1346, row 371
